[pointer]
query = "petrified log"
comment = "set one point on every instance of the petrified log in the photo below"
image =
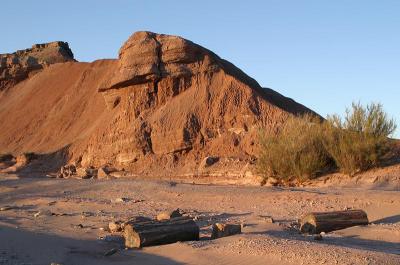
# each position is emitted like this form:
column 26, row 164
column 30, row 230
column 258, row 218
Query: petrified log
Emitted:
column 315, row 223
column 153, row 233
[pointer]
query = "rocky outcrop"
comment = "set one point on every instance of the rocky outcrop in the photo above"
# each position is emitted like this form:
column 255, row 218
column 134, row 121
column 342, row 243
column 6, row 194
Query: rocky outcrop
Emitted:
column 15, row 67
column 164, row 106
column 148, row 57
column 182, row 100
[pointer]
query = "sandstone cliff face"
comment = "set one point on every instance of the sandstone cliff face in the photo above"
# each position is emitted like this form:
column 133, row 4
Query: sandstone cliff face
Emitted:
column 159, row 109
column 17, row 66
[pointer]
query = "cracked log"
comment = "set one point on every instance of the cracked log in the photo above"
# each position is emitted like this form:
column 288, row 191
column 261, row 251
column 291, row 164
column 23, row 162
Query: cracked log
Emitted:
column 160, row 232
column 315, row 223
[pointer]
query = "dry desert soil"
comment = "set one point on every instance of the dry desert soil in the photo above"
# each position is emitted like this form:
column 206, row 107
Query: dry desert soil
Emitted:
column 60, row 221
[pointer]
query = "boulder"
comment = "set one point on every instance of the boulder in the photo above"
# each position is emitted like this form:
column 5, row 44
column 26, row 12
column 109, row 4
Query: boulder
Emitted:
column 67, row 171
column 86, row 173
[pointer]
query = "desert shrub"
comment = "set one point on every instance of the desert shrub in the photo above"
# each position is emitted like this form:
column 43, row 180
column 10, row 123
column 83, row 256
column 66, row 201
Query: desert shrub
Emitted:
column 295, row 151
column 360, row 140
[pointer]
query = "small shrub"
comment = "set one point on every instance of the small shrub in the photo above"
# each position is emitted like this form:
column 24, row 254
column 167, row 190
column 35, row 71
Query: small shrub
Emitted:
column 360, row 141
column 296, row 151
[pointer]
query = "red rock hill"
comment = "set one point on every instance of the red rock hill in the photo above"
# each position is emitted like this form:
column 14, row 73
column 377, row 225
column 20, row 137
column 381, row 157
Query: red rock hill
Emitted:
column 159, row 109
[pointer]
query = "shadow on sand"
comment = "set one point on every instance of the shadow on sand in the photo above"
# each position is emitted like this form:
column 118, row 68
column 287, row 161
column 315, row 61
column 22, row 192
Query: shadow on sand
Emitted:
column 388, row 220
column 19, row 246
column 347, row 241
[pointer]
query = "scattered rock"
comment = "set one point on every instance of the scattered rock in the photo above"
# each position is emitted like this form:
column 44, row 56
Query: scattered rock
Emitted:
column 168, row 215
column 91, row 172
column 67, row 171
column 223, row 230
column 43, row 213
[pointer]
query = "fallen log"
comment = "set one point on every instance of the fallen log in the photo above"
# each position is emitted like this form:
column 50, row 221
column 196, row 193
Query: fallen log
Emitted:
column 153, row 233
column 317, row 222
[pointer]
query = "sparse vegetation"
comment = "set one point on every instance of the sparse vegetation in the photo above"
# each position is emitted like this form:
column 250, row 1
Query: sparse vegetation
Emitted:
column 305, row 146
column 296, row 151
column 360, row 140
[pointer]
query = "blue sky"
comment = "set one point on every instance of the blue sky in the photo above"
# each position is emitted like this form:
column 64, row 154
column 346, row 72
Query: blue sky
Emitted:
column 324, row 54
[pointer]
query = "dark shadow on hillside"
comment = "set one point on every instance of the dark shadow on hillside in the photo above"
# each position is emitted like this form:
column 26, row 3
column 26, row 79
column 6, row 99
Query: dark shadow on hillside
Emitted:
column 43, row 164
column 24, row 247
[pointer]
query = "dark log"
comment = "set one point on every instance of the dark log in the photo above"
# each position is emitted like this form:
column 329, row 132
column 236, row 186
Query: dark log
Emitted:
column 315, row 223
column 153, row 233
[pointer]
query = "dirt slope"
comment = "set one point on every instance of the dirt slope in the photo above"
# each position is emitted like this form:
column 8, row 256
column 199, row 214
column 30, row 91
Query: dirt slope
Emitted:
column 159, row 109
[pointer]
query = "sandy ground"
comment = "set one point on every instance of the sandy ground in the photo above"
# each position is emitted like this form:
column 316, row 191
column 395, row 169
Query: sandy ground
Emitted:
column 72, row 211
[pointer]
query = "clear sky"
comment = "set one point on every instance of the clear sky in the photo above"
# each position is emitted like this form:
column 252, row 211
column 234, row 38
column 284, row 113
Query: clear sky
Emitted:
column 323, row 53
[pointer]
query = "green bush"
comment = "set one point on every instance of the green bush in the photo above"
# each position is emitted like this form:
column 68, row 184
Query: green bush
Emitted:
column 360, row 140
column 304, row 146
column 296, row 151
